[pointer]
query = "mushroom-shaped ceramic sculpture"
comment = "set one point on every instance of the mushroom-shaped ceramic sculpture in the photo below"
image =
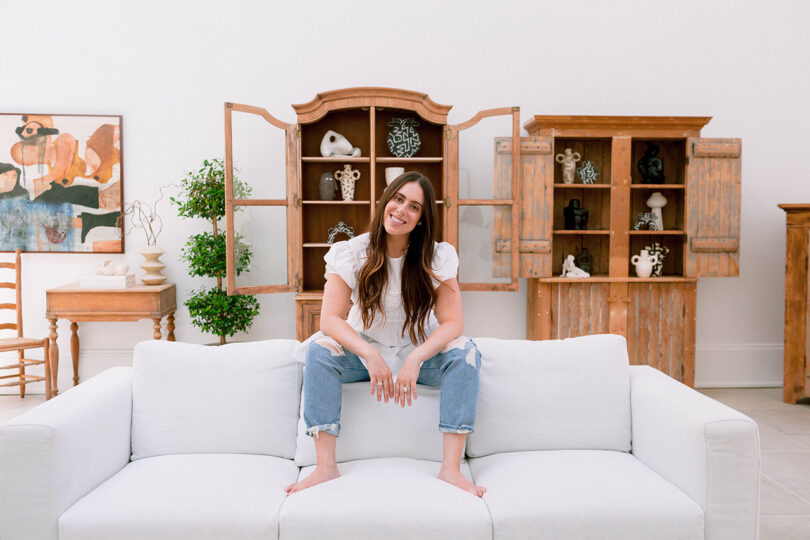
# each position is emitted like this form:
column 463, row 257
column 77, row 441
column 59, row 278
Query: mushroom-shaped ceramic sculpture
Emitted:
column 656, row 202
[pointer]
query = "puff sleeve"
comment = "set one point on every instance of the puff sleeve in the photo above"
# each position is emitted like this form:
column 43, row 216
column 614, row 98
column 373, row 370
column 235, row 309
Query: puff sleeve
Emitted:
column 341, row 260
column 445, row 262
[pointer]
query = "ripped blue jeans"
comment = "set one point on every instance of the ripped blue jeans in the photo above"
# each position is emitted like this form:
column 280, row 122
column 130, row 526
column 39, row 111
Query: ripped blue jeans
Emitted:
column 455, row 370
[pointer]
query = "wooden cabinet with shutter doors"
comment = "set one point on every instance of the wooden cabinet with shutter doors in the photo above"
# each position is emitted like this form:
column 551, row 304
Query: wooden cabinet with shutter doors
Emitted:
column 701, row 230
column 295, row 222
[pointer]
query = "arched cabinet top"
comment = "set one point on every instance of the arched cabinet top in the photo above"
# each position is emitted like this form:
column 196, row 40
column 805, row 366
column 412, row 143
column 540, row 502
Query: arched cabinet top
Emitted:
column 372, row 97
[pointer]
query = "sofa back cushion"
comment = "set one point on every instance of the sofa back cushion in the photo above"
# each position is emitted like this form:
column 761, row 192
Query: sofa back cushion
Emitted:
column 369, row 429
column 552, row 395
column 237, row 398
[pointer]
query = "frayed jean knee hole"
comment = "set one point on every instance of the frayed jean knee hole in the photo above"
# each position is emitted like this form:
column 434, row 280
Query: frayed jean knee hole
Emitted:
column 458, row 343
column 335, row 349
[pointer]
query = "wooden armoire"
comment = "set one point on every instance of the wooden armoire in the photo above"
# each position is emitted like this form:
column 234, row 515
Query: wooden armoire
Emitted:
column 701, row 183
column 449, row 155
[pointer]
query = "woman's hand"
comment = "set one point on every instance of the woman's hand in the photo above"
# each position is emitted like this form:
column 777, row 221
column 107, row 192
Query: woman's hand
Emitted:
column 379, row 372
column 406, row 382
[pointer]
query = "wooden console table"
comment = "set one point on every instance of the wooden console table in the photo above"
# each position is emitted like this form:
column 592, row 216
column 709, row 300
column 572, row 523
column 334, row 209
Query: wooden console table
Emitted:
column 98, row 305
column 796, row 301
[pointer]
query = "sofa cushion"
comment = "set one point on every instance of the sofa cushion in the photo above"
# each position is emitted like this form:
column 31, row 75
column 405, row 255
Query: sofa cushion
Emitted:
column 196, row 496
column 369, row 429
column 583, row 494
column 552, row 395
column 237, row 398
column 385, row 498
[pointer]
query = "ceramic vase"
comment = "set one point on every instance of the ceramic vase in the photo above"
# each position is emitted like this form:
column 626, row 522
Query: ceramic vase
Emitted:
column 568, row 159
column 644, row 263
column 327, row 187
column 347, row 178
column 152, row 266
column 392, row 173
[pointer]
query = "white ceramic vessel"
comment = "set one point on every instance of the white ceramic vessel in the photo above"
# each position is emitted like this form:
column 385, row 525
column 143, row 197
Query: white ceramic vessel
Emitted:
column 644, row 263
column 152, row 266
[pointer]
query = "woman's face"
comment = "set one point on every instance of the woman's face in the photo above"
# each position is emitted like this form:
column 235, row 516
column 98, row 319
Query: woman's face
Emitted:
column 404, row 210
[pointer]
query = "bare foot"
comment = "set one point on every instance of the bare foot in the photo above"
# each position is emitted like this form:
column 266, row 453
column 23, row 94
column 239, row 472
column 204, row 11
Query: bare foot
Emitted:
column 460, row 481
column 318, row 476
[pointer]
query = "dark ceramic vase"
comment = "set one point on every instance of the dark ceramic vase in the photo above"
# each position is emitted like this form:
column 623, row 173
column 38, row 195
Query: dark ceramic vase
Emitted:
column 328, row 187
column 651, row 166
column 576, row 218
column 584, row 260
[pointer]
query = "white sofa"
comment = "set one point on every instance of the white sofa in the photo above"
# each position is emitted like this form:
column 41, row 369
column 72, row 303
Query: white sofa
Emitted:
column 199, row 442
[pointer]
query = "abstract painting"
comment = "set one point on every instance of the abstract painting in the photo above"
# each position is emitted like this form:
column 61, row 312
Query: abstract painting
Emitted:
column 61, row 183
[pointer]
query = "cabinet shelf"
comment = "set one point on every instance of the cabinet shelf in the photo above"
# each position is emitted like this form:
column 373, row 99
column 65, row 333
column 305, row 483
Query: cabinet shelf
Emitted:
column 657, row 186
column 316, row 244
column 575, row 232
column 656, row 233
column 581, row 186
column 608, row 279
column 336, row 159
column 408, row 160
column 335, row 203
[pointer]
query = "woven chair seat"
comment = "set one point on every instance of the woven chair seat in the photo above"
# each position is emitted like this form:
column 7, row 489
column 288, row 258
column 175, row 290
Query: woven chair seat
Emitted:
column 17, row 343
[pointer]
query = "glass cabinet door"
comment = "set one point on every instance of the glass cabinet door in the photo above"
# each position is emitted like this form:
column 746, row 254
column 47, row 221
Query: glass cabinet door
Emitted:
column 261, row 206
column 477, row 211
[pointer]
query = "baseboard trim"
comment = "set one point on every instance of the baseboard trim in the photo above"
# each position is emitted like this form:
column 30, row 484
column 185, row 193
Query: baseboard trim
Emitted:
column 734, row 365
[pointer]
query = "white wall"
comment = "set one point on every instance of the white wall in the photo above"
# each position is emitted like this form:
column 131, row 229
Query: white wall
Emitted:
column 167, row 67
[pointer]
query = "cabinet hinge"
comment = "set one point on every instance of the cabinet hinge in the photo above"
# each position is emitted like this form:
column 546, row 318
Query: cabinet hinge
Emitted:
column 298, row 281
column 447, row 202
column 297, row 202
column 447, row 133
column 297, row 133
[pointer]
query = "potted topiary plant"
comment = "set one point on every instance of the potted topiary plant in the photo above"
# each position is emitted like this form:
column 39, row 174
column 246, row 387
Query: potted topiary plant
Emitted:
column 202, row 195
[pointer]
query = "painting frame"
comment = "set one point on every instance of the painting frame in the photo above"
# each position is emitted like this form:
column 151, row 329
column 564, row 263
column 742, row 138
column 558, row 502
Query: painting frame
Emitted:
column 61, row 183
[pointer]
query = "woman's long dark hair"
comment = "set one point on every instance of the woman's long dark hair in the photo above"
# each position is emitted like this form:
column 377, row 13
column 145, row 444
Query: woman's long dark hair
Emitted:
column 418, row 294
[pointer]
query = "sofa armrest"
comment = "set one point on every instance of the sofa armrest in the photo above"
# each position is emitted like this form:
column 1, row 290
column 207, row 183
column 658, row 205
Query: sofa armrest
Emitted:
column 707, row 449
column 61, row 450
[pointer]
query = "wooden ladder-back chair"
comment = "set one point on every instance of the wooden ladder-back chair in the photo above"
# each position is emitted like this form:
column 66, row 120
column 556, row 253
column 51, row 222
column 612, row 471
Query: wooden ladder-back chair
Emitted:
column 20, row 343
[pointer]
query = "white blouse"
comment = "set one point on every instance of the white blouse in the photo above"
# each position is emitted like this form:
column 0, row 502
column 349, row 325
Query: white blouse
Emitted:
column 345, row 259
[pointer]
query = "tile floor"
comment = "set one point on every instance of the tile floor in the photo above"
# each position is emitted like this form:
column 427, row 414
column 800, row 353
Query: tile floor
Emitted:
column 785, row 437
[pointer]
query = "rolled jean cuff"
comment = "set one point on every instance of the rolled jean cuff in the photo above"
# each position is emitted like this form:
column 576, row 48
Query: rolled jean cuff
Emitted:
column 447, row 428
column 332, row 429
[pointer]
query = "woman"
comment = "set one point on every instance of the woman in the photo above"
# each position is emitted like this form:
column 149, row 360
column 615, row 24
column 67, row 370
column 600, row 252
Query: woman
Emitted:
column 393, row 278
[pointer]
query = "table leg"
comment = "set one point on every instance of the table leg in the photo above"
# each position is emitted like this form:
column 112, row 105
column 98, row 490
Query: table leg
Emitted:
column 54, row 353
column 170, row 327
column 158, row 334
column 74, row 350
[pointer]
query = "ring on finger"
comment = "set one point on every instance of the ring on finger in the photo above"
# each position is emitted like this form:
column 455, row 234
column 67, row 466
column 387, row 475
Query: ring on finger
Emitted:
column 405, row 389
column 379, row 384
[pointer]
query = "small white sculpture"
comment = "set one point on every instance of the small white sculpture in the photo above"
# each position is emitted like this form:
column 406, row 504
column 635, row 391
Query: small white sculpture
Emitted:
column 335, row 144
column 656, row 202
column 108, row 268
column 571, row 270
column 568, row 160
column 347, row 178
column 644, row 263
